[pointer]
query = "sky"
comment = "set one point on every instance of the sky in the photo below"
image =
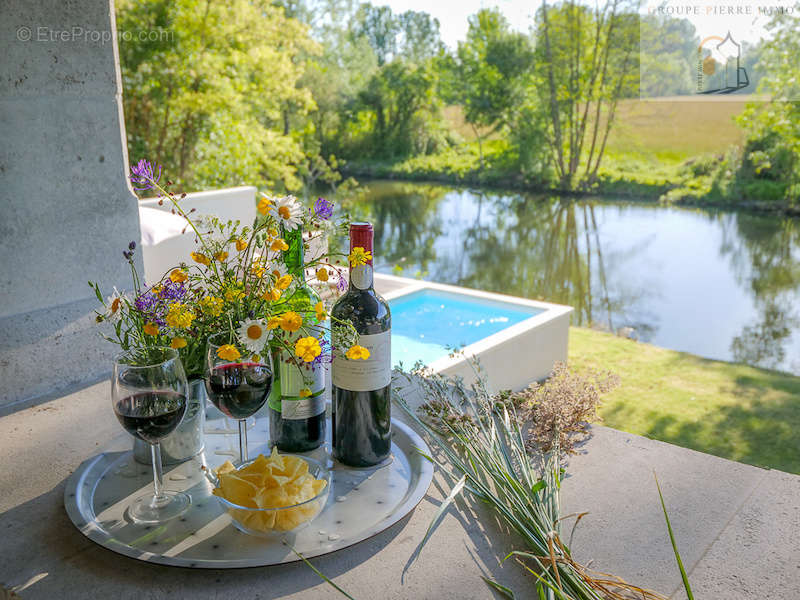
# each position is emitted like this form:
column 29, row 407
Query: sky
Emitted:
column 710, row 17
column 453, row 15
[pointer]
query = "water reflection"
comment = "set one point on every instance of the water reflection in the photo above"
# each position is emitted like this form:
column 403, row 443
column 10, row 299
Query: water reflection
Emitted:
column 718, row 284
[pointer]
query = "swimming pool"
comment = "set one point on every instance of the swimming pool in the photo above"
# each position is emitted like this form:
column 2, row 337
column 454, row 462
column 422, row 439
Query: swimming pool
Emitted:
column 516, row 340
column 428, row 324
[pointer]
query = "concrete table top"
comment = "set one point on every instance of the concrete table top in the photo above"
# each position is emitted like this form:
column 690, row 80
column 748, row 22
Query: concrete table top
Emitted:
column 737, row 526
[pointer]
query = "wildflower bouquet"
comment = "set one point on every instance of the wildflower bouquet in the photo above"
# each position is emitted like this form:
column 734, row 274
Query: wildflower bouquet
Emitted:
column 236, row 284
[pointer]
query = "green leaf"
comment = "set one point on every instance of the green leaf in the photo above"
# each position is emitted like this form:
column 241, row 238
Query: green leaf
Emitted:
column 319, row 573
column 442, row 508
column 500, row 588
column 686, row 585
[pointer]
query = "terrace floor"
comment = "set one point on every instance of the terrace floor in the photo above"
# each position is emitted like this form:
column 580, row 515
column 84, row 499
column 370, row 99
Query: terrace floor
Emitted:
column 737, row 526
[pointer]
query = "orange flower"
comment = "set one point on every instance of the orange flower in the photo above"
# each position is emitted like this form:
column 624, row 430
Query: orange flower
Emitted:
column 271, row 295
column 201, row 258
column 319, row 308
column 220, row 256
column 291, row 321
column 273, row 322
column 240, row 244
column 177, row 343
column 279, row 245
column 264, row 204
column 151, row 329
column 228, row 352
column 283, row 282
column 178, row 276
column 307, row 348
column 357, row 352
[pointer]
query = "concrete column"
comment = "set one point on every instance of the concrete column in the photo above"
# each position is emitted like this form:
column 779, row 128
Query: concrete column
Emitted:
column 67, row 210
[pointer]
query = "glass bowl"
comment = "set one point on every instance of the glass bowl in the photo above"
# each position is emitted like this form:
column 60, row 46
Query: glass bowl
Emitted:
column 278, row 522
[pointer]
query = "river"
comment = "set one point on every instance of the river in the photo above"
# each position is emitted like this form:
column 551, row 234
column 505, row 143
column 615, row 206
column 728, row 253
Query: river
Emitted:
column 720, row 284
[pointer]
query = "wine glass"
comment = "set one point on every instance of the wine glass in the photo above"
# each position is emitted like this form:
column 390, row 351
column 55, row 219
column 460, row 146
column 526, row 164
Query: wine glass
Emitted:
column 237, row 385
column 149, row 393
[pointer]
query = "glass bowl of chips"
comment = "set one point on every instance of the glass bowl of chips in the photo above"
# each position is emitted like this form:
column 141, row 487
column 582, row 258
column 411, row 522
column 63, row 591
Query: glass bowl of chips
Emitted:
column 273, row 496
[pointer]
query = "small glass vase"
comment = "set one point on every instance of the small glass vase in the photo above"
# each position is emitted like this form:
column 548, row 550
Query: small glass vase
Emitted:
column 187, row 440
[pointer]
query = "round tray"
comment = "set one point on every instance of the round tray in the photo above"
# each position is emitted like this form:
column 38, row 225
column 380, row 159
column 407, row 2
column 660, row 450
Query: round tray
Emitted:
column 362, row 503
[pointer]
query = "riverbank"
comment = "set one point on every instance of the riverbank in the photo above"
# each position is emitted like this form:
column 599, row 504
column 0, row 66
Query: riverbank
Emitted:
column 665, row 181
column 730, row 410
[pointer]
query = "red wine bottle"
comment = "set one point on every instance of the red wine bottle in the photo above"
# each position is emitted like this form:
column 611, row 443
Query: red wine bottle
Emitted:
column 361, row 393
column 297, row 421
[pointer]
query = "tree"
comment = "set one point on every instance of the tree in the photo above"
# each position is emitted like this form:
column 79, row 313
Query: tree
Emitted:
column 772, row 152
column 494, row 66
column 209, row 102
column 586, row 62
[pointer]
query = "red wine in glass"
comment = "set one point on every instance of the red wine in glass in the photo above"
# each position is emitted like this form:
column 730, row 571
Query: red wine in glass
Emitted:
column 238, row 390
column 149, row 397
column 152, row 415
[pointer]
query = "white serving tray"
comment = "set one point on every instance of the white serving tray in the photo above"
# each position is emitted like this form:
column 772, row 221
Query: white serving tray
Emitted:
column 362, row 503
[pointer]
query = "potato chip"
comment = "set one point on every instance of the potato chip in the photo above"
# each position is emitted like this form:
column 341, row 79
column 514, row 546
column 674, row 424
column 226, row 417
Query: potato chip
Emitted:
column 271, row 482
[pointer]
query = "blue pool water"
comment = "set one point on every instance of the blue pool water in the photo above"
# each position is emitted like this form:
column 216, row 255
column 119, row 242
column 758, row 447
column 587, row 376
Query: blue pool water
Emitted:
column 426, row 323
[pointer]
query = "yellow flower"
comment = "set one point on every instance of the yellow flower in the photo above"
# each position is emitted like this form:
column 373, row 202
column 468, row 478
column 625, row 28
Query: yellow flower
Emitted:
column 177, row 343
column 359, row 256
column 279, row 245
column 178, row 276
column 211, row 305
column 283, row 282
column 322, row 274
column 307, row 348
column 258, row 270
column 232, row 294
column 319, row 308
column 291, row 321
column 273, row 322
column 179, row 316
column 151, row 329
column 228, row 352
column 272, row 232
column 220, row 256
column 264, row 204
column 305, row 393
column 201, row 258
column 271, row 295
column 240, row 244
column 357, row 352
column 256, row 358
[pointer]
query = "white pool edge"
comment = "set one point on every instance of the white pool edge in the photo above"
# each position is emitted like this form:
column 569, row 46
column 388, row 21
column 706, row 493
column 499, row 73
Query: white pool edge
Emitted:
column 511, row 358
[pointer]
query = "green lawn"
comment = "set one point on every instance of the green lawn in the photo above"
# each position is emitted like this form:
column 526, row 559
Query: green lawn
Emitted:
column 730, row 410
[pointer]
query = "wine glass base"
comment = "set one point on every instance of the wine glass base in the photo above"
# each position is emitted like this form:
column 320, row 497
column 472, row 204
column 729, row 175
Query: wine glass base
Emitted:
column 148, row 509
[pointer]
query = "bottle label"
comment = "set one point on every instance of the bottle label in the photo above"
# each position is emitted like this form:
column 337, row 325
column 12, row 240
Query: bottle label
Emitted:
column 296, row 376
column 361, row 277
column 373, row 373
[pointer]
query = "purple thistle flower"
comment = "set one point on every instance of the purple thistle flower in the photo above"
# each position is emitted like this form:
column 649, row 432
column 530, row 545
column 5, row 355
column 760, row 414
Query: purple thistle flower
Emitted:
column 143, row 174
column 323, row 209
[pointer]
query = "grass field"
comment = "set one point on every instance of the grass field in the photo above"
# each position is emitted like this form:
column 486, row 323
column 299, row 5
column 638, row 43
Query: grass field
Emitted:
column 730, row 410
column 667, row 129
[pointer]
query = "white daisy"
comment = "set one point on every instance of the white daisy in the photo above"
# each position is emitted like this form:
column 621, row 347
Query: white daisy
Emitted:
column 114, row 306
column 253, row 335
column 289, row 212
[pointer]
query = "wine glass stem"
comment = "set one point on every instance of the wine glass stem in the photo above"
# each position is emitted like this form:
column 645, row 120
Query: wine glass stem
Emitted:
column 243, row 440
column 158, row 478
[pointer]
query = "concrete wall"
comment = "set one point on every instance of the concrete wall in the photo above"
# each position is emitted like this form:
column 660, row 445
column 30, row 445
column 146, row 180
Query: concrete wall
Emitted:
column 67, row 209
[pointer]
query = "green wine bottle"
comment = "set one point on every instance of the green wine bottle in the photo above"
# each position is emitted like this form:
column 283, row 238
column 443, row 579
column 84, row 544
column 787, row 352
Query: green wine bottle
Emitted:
column 297, row 421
